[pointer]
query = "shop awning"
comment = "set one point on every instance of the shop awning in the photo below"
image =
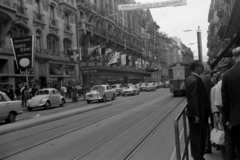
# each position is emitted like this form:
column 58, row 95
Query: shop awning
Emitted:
column 225, row 50
column 231, row 31
column 100, row 68
column 152, row 69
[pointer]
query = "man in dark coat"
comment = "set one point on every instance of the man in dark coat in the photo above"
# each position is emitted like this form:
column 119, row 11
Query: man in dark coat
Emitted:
column 207, row 84
column 231, row 108
column 11, row 93
column 198, row 110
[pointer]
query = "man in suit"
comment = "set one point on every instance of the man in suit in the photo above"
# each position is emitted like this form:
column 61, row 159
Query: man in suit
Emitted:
column 207, row 84
column 231, row 108
column 198, row 110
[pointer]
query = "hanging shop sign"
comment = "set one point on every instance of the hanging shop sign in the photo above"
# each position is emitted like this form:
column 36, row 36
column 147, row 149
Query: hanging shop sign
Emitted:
column 89, row 71
column 23, row 48
column 169, row 3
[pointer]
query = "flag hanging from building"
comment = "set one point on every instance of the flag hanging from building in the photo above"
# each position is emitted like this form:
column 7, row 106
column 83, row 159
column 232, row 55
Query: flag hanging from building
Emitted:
column 114, row 58
column 123, row 59
column 95, row 53
column 138, row 63
column 74, row 55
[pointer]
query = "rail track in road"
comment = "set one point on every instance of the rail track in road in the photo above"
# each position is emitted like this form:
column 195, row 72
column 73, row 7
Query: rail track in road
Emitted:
column 129, row 127
column 70, row 126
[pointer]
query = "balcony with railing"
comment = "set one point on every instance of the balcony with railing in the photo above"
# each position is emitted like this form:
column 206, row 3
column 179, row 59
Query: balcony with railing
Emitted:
column 7, row 5
column 95, row 8
column 38, row 19
column 20, row 9
column 99, row 31
column 38, row 16
column 67, row 28
column 53, row 22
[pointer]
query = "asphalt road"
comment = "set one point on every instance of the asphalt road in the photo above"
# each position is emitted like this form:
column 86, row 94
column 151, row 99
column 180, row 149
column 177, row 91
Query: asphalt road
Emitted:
column 135, row 127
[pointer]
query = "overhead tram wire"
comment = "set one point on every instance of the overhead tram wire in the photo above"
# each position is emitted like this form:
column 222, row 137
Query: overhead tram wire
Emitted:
column 170, row 23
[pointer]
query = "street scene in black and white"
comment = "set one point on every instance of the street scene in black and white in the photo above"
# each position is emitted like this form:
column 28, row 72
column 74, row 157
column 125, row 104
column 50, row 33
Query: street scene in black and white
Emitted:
column 119, row 80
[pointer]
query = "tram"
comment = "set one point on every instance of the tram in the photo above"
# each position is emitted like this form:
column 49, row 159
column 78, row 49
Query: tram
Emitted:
column 178, row 73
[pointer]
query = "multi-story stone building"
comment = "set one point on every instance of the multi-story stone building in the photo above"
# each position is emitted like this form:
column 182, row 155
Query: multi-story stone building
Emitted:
column 125, row 40
column 52, row 23
column 223, row 34
column 187, row 54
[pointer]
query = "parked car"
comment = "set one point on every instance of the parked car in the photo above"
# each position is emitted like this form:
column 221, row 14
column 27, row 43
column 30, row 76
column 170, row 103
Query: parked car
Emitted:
column 150, row 87
column 142, row 87
column 9, row 109
column 100, row 93
column 131, row 90
column 118, row 89
column 47, row 98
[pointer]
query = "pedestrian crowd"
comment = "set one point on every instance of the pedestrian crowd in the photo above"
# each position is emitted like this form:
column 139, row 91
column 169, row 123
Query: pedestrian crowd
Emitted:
column 25, row 93
column 214, row 104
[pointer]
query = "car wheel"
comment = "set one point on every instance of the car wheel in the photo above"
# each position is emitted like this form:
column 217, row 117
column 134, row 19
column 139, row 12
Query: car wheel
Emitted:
column 123, row 95
column 29, row 109
column 88, row 101
column 47, row 105
column 138, row 92
column 62, row 103
column 113, row 97
column 11, row 117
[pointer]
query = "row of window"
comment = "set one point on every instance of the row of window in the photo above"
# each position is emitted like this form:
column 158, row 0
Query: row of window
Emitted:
column 52, row 41
column 37, row 8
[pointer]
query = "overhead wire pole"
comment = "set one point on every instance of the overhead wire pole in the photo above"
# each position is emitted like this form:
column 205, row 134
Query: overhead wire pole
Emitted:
column 199, row 38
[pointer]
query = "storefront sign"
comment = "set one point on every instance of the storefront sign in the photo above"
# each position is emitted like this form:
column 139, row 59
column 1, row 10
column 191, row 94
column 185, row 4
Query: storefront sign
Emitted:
column 89, row 71
column 168, row 3
column 23, row 51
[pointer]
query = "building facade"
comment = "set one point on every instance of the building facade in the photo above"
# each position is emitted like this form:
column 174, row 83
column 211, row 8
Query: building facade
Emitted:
column 187, row 54
column 223, row 34
column 121, row 41
column 53, row 25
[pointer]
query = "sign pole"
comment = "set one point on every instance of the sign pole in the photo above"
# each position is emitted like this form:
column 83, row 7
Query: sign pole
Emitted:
column 27, row 77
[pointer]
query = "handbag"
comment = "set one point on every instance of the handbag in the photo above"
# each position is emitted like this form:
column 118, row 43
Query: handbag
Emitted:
column 217, row 136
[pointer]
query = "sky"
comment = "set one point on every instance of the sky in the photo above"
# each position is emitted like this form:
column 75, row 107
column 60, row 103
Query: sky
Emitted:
column 175, row 20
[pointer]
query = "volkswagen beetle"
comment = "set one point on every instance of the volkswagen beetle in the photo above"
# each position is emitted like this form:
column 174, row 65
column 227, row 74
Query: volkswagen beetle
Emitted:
column 46, row 98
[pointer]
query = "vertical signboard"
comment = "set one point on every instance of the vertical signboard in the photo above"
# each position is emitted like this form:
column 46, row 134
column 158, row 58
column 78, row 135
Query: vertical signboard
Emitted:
column 23, row 48
column 23, row 51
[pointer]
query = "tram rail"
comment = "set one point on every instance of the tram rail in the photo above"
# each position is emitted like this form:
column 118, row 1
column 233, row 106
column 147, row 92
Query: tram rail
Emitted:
column 72, row 130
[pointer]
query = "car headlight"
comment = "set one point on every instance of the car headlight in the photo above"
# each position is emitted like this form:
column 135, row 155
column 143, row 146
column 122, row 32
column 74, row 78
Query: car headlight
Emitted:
column 41, row 102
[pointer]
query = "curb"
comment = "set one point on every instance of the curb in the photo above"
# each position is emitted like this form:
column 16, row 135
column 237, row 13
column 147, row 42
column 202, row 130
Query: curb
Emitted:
column 13, row 127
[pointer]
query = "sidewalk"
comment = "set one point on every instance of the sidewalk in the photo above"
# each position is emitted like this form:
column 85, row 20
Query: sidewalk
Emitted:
column 215, row 155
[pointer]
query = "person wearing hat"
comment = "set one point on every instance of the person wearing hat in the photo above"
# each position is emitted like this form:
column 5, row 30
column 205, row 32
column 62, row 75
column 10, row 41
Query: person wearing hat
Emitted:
column 231, row 108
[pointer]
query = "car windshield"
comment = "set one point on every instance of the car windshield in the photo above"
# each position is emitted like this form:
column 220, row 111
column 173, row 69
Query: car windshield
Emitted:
column 43, row 92
column 114, row 86
column 97, row 88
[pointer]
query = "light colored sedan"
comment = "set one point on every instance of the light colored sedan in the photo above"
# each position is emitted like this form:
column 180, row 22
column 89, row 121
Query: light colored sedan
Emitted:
column 46, row 98
column 9, row 109
column 131, row 90
column 100, row 93
column 118, row 89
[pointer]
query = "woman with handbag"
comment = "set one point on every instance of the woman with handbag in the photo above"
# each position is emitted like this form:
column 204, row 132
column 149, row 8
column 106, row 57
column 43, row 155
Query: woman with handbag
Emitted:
column 218, row 113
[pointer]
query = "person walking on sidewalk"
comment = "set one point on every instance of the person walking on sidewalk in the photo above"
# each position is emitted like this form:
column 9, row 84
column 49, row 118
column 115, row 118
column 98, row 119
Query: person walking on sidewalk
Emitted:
column 231, row 108
column 198, row 110
column 18, row 92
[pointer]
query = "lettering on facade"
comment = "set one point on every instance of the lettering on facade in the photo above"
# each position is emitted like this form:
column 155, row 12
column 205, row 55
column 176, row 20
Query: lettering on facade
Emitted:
column 89, row 71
